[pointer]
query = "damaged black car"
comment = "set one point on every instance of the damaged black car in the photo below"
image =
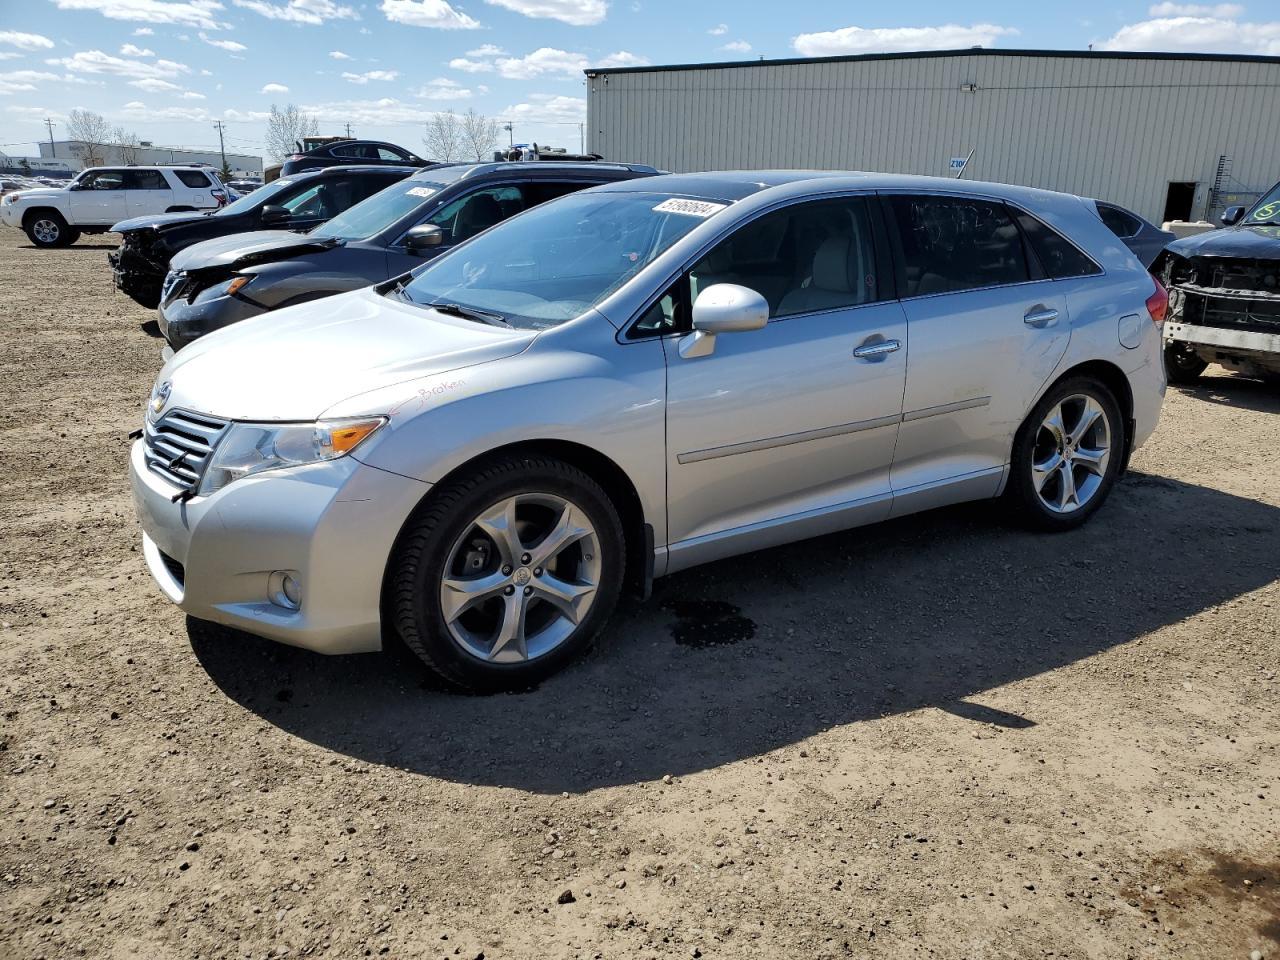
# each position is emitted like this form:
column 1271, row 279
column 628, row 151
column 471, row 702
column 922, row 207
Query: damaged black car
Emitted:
column 296, row 203
column 1224, row 295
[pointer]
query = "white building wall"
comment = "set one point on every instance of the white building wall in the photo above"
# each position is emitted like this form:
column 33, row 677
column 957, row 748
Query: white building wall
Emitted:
column 1115, row 127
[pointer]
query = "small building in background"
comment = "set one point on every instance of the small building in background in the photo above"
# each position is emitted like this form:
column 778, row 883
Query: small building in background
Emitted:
column 74, row 153
column 1172, row 136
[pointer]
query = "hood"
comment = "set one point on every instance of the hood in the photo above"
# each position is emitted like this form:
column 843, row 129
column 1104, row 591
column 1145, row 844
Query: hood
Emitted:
column 296, row 363
column 242, row 249
column 38, row 192
column 159, row 221
column 1259, row 243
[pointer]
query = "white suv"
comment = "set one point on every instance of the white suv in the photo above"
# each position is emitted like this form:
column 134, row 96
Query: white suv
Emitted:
column 103, row 196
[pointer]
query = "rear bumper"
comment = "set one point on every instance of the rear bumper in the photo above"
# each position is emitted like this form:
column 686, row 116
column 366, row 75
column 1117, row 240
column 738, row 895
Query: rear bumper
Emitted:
column 331, row 526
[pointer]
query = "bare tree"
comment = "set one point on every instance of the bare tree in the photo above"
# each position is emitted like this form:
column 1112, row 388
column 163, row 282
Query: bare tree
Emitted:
column 479, row 134
column 126, row 144
column 89, row 133
column 287, row 127
column 444, row 137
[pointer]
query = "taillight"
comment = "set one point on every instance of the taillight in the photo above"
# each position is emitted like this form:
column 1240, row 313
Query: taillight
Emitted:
column 220, row 197
column 1158, row 303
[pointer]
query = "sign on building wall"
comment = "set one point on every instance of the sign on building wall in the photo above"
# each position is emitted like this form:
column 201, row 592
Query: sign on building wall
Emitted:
column 957, row 165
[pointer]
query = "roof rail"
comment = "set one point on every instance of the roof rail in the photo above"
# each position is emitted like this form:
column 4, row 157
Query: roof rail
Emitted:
column 505, row 166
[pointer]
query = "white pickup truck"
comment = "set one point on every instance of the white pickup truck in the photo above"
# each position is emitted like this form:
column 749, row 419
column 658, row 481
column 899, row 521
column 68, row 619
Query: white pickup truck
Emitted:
column 102, row 196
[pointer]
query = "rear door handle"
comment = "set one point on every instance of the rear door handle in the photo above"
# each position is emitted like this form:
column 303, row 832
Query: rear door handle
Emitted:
column 873, row 351
column 1040, row 316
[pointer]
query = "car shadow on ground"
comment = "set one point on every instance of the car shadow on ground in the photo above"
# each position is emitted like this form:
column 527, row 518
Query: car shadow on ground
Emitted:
column 71, row 247
column 1234, row 390
column 753, row 653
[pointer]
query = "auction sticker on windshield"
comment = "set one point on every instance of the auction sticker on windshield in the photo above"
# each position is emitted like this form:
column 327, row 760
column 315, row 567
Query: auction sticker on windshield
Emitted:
column 423, row 192
column 692, row 208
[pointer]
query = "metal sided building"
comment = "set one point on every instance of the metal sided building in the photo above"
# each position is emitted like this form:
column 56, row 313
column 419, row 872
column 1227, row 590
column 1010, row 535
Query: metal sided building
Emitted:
column 1171, row 136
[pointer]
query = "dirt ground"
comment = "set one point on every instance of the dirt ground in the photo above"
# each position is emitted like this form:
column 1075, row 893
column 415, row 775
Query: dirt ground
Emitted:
column 939, row 737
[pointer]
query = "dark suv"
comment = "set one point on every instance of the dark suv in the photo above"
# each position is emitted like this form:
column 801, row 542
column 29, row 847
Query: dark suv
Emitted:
column 291, row 203
column 219, row 282
column 349, row 152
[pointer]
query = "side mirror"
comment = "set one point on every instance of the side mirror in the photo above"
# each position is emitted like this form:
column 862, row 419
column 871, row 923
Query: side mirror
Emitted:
column 723, row 308
column 1232, row 215
column 423, row 237
column 273, row 215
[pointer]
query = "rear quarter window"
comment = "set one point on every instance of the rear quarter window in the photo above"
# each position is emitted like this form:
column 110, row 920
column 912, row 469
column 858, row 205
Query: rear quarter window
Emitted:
column 192, row 178
column 1059, row 257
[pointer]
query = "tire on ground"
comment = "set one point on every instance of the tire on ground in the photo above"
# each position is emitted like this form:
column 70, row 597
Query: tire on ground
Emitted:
column 1182, row 364
column 48, row 229
column 417, row 566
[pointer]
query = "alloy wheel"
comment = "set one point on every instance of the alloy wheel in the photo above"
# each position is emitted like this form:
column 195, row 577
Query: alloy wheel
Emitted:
column 46, row 231
column 1071, row 453
column 520, row 578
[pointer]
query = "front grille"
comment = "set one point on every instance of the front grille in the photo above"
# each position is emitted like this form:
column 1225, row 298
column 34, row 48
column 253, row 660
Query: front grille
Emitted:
column 178, row 445
column 1197, row 306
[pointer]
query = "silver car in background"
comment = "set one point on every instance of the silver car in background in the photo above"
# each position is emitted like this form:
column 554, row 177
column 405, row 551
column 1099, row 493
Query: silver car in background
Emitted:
column 628, row 381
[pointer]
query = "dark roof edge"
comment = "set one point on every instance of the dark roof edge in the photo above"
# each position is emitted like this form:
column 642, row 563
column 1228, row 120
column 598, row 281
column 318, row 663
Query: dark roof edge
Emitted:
column 931, row 54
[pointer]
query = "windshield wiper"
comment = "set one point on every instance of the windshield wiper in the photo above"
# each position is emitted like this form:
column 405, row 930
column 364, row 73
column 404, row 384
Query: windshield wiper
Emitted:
column 471, row 313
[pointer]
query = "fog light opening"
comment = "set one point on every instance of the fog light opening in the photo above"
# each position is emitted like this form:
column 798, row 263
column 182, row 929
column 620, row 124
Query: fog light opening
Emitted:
column 285, row 589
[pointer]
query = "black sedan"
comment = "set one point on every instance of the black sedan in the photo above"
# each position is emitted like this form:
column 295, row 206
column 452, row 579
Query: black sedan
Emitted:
column 347, row 152
column 291, row 203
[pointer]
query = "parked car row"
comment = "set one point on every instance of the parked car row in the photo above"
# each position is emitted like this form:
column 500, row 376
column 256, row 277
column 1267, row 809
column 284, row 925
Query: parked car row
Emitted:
column 575, row 397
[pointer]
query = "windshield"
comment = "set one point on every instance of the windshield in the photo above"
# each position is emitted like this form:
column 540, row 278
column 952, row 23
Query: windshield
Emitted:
column 1268, row 208
column 560, row 259
column 377, row 213
column 261, row 196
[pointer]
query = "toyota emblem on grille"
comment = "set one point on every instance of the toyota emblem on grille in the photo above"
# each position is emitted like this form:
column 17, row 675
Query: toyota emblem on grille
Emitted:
column 160, row 396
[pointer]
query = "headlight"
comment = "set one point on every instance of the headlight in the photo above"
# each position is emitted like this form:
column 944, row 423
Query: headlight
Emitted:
column 250, row 448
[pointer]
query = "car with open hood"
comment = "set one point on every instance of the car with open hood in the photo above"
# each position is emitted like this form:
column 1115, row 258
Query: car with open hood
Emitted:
column 634, row 379
column 292, row 205
column 220, row 282
column 1224, row 295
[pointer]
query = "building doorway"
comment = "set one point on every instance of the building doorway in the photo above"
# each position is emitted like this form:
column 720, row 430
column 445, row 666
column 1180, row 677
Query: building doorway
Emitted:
column 1179, row 201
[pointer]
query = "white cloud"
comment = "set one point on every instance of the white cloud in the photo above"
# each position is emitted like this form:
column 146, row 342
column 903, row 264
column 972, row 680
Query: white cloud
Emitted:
column 314, row 12
column 719, row 30
column 186, row 13
column 577, row 13
column 544, row 61
column 1222, row 11
column 363, row 78
column 548, row 108
column 144, row 32
column 386, row 110
column 737, row 46
column 22, row 81
column 137, row 110
column 246, row 115
column 1197, row 35
column 6, row 55
column 275, row 88
column 33, row 112
column 191, row 95
column 155, row 85
column 231, row 46
column 849, row 40
column 438, row 14
column 487, row 50
column 25, row 41
column 442, row 88
column 339, row 55
column 129, row 50
column 97, row 62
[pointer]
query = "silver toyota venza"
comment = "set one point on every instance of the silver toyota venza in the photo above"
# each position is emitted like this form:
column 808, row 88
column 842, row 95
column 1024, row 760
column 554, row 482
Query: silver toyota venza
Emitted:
column 631, row 380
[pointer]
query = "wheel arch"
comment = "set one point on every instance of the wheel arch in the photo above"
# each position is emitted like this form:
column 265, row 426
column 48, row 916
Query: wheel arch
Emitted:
column 617, row 485
column 31, row 214
column 1115, row 380
column 181, row 209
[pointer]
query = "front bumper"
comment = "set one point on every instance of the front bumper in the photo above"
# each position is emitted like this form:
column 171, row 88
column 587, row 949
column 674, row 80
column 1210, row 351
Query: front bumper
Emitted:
column 183, row 322
column 330, row 525
column 11, row 214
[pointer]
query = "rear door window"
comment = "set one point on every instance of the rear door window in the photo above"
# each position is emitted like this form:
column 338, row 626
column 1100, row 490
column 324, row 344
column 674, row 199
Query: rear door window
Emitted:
column 145, row 180
column 951, row 244
column 386, row 153
column 540, row 191
column 801, row 259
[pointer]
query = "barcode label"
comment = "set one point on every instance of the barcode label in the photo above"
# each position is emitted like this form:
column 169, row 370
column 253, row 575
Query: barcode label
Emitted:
column 691, row 208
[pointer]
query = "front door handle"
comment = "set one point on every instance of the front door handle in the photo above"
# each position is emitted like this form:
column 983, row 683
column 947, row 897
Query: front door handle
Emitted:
column 1040, row 316
column 873, row 351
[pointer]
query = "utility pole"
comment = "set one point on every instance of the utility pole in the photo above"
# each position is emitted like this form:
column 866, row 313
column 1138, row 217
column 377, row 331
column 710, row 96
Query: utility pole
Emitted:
column 511, row 136
column 222, row 147
column 582, row 138
column 53, row 151
column 348, row 131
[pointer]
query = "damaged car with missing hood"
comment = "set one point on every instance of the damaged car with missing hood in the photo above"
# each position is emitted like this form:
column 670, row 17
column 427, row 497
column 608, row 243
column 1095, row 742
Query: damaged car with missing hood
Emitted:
column 1224, row 295
column 296, row 203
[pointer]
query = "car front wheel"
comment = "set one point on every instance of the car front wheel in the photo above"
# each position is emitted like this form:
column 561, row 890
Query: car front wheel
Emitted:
column 1067, row 455
column 1182, row 364
column 48, row 229
column 505, row 576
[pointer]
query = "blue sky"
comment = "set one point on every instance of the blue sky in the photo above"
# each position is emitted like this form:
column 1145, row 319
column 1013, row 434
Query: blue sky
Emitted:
column 167, row 69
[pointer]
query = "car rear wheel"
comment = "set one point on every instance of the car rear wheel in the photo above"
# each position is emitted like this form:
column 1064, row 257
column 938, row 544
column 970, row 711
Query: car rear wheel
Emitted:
column 47, row 229
column 1067, row 455
column 506, row 575
column 1182, row 364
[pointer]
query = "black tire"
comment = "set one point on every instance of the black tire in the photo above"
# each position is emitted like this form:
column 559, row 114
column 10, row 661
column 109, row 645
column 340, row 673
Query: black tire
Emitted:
column 1182, row 364
column 47, row 229
column 1029, row 446
column 417, row 566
